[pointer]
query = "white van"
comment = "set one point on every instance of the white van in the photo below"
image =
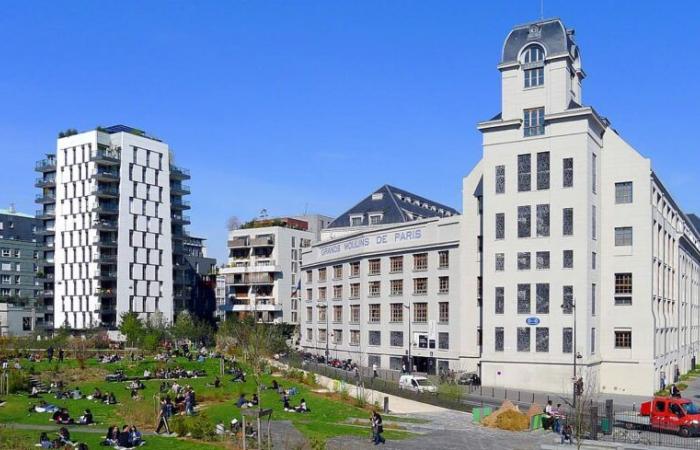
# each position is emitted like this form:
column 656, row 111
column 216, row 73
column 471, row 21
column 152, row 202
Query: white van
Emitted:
column 416, row 384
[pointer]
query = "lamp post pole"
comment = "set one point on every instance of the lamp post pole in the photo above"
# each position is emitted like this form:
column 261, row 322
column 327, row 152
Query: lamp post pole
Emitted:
column 410, row 338
column 325, row 306
column 575, row 352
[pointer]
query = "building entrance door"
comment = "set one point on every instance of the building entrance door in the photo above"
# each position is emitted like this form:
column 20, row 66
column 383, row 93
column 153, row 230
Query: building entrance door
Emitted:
column 424, row 364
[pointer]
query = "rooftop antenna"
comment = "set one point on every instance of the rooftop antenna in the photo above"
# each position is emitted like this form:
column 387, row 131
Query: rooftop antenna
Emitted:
column 306, row 208
column 12, row 208
column 541, row 9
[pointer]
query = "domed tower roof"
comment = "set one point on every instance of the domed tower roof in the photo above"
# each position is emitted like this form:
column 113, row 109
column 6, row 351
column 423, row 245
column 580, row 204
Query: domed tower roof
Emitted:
column 549, row 33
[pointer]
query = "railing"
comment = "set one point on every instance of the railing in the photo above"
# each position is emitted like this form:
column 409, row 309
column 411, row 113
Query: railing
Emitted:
column 104, row 240
column 102, row 258
column 46, row 164
column 104, row 292
column 44, row 182
column 180, row 204
column 42, row 213
column 105, row 190
column 180, row 188
column 260, row 241
column 112, row 174
column 105, row 224
column 180, row 218
column 102, row 207
column 41, row 198
column 105, row 154
column 179, row 171
column 238, row 242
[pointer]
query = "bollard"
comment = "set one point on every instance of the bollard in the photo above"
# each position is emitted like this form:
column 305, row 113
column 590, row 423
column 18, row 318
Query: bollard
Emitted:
column 386, row 405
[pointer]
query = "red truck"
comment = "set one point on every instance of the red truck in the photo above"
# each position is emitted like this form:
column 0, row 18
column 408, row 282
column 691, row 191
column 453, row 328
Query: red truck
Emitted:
column 678, row 415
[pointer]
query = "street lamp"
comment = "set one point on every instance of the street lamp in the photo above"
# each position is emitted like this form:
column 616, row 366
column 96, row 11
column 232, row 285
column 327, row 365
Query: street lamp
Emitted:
column 410, row 360
column 325, row 307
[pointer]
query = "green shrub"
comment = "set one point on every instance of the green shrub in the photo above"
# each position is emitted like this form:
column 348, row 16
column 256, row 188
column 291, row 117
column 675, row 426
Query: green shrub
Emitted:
column 178, row 425
column 682, row 386
column 18, row 381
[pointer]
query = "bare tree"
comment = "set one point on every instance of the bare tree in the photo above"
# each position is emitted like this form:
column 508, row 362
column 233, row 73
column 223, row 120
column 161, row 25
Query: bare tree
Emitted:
column 233, row 223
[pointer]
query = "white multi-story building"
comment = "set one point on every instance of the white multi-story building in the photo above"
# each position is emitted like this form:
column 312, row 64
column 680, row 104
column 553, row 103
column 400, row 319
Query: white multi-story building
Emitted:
column 384, row 284
column 262, row 274
column 112, row 200
column 584, row 250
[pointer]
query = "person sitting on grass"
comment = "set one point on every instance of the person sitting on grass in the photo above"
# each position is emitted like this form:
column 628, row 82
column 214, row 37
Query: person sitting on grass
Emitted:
column 254, row 401
column 44, row 407
column 112, row 436
column 216, row 383
column 76, row 394
column 44, row 441
column 124, row 439
column 62, row 417
column 86, row 418
column 110, row 399
column 242, row 402
column 35, row 392
column 64, row 436
column 286, row 403
column 235, row 426
column 302, row 408
column 136, row 437
column 220, row 429
column 566, row 433
column 96, row 395
column 135, row 395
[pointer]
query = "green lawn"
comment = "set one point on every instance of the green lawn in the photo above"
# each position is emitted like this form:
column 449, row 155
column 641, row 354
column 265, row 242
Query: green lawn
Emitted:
column 328, row 417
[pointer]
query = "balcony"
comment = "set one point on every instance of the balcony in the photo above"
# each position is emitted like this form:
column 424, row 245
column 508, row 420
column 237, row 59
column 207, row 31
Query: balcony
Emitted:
column 45, row 182
column 106, row 175
column 46, row 197
column 105, row 293
column 105, row 241
column 106, row 191
column 105, row 225
column 178, row 173
column 254, row 279
column 47, row 246
column 46, row 165
column 238, row 242
column 177, row 248
column 47, row 293
column 180, row 219
column 44, row 215
column 179, row 189
column 107, row 275
column 104, row 258
column 106, row 208
column 180, row 204
column 105, row 156
column 264, row 241
column 45, row 231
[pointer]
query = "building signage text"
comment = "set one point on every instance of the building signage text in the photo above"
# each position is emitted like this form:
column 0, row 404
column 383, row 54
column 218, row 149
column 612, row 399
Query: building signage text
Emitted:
column 376, row 240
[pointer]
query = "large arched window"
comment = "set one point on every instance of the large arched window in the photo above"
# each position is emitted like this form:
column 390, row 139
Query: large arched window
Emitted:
column 533, row 65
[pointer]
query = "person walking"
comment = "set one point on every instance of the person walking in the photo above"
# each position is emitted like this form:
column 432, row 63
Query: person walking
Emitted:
column 377, row 428
column 163, row 415
column 374, row 370
column 49, row 353
column 60, row 355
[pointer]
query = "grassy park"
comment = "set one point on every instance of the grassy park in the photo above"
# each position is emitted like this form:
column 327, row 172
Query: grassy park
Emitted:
column 331, row 413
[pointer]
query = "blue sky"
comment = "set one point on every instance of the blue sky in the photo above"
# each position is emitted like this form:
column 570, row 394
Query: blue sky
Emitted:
column 299, row 105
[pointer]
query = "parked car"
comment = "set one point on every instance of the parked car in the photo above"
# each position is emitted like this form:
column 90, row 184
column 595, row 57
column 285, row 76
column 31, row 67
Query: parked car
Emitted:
column 469, row 379
column 416, row 384
column 678, row 415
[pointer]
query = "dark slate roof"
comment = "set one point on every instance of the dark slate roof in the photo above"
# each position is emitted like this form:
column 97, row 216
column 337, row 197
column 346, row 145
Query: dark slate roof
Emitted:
column 549, row 33
column 17, row 226
column 396, row 206
column 695, row 220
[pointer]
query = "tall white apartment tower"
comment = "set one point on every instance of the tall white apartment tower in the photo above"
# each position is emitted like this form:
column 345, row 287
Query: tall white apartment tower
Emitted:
column 586, row 259
column 110, row 211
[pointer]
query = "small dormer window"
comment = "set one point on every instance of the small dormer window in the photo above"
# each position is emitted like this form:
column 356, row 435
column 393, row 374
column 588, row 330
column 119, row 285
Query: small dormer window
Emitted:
column 533, row 66
column 375, row 219
column 377, row 196
column 356, row 221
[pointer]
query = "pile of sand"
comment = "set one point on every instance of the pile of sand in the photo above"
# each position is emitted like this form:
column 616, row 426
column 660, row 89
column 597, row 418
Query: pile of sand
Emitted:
column 508, row 417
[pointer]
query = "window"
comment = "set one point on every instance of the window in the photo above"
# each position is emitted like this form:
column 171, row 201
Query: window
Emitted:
column 356, row 221
column 444, row 312
column 534, row 77
column 337, row 313
column 500, row 262
column 309, row 334
column 542, row 213
column 533, row 53
column 420, row 261
column 354, row 313
column 568, row 259
column 338, row 337
column 524, row 172
column 396, row 312
column 396, row 338
column 623, row 339
column 568, row 172
column 593, row 223
column 542, row 339
column 533, row 62
column 396, row 264
column 420, row 312
column 542, row 171
column 396, row 287
column 500, row 179
column 498, row 339
column 592, row 341
column 542, row 298
column 309, row 276
column 322, row 314
column 375, row 337
column 593, row 260
column 567, row 299
column 322, row 275
column 375, row 313
column 542, row 260
column 337, row 272
column 309, row 314
column 533, row 122
column 355, row 269
column 420, row 286
column 337, row 292
column 594, row 172
column 500, row 300
column 374, row 266
column 524, row 261
column 523, row 339
column 623, row 192
column 568, row 221
column 374, row 288
column 593, row 299
column 354, row 337
column 523, row 299
column 567, row 338
column 500, row 225
column 443, row 285
column 623, row 288
column 355, row 290
column 623, row 236
column 443, row 259
column 523, row 221
column 443, row 341
column 375, row 219
column 322, row 294
column 322, row 335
